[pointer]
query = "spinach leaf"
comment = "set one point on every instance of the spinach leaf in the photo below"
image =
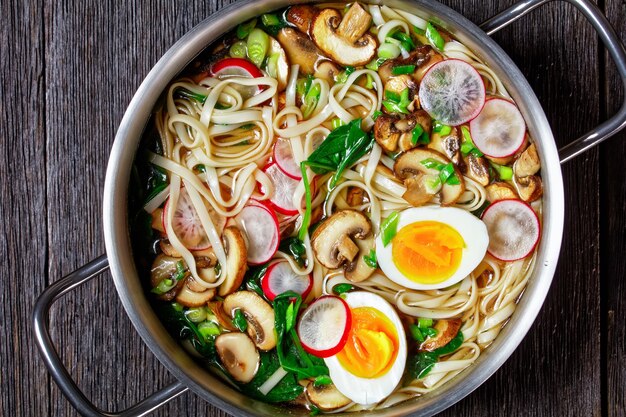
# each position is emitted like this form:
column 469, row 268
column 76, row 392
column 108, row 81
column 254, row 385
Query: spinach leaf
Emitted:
column 294, row 247
column 420, row 365
column 252, row 279
column 292, row 357
column 286, row 390
column 179, row 325
column 341, row 148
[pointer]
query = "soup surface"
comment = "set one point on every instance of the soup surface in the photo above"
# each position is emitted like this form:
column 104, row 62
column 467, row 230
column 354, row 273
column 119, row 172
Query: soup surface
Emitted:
column 336, row 207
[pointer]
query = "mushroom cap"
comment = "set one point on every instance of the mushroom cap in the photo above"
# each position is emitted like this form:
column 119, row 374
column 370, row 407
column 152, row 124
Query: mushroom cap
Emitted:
column 528, row 162
column 299, row 49
column 332, row 233
column 447, row 329
column 408, row 165
column 327, row 70
column 258, row 313
column 500, row 191
column 392, row 131
column 341, row 50
column 189, row 298
column 478, row 169
column 358, row 270
column 236, row 256
column 326, row 397
column 449, row 145
column 222, row 318
column 302, row 15
column 529, row 188
column 238, row 355
column 419, row 57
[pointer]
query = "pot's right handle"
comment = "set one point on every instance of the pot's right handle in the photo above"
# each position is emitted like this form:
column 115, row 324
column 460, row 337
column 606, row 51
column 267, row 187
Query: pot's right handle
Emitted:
column 56, row 368
column 612, row 43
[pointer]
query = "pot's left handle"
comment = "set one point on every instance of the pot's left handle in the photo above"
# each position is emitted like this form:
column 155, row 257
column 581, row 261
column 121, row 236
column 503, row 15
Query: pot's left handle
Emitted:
column 56, row 368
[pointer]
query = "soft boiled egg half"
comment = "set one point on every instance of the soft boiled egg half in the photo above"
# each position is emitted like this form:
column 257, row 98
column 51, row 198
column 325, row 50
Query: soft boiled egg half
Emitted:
column 434, row 247
column 371, row 363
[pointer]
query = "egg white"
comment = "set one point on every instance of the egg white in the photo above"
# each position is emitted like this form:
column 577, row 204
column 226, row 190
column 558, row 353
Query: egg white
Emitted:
column 472, row 230
column 367, row 391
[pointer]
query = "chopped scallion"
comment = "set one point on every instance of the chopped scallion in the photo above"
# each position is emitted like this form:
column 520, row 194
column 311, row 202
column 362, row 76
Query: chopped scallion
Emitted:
column 238, row 50
column 244, row 29
column 196, row 314
column 310, row 100
column 403, row 69
column 336, row 122
column 423, row 322
column 370, row 259
column 258, row 44
column 208, row 330
column 417, row 134
column 270, row 20
column 342, row 288
column 504, row 172
column 389, row 228
column 434, row 37
column 416, row 333
column 388, row 51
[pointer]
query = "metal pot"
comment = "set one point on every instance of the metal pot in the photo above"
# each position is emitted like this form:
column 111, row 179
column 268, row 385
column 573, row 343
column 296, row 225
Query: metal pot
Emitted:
column 119, row 254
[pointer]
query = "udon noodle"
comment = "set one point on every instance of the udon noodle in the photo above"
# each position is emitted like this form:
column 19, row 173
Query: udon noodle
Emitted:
column 217, row 133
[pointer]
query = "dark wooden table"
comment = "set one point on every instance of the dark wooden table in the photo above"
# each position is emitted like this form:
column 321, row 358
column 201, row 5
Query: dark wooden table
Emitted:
column 69, row 69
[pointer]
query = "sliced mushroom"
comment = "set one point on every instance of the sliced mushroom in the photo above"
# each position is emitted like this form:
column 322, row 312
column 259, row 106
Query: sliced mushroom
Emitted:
column 190, row 298
column 528, row 162
column 355, row 23
column 164, row 267
column 358, row 270
column 419, row 57
column 258, row 313
column 302, row 15
column 195, row 286
column 500, row 191
column 236, row 264
column 328, row 71
column 446, row 331
column 398, row 83
column 356, row 196
column 478, row 169
column 330, row 239
column 282, row 66
column 529, row 188
column 431, row 57
column 449, row 145
column 329, row 34
column 238, row 355
column 420, row 189
column 222, row 318
column 157, row 220
column 410, row 165
column 299, row 49
column 326, row 397
column 392, row 132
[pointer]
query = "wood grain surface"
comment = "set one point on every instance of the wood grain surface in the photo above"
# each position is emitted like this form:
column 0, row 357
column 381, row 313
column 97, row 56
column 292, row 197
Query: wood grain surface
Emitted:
column 70, row 68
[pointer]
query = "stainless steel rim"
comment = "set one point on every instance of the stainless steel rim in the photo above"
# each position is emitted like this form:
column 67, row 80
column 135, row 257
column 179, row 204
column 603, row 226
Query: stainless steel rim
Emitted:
column 120, row 253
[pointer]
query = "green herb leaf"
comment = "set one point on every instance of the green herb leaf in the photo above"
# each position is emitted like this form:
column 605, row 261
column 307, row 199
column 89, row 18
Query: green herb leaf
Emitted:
column 417, row 134
column 290, row 317
column 434, row 37
column 432, row 163
column 287, row 389
column 405, row 40
column 240, row 322
column 370, row 259
column 376, row 114
column 342, row 288
column 403, row 69
column 424, row 323
column 452, row 345
column 388, row 228
column 180, row 270
column 430, row 332
column 416, row 333
column 420, row 365
column 244, row 29
column 322, row 380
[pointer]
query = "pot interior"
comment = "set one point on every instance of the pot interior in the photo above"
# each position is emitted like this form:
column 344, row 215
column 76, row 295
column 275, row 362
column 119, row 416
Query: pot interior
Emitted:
column 124, row 269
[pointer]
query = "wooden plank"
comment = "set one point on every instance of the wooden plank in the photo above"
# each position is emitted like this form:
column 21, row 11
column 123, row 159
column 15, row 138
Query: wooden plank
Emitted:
column 97, row 55
column 100, row 51
column 23, row 241
column 613, row 235
column 552, row 373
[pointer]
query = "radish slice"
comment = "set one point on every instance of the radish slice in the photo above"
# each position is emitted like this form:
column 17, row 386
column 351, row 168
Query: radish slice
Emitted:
column 187, row 225
column 513, row 229
column 324, row 326
column 284, row 189
column 499, row 130
column 452, row 92
column 284, row 159
column 237, row 67
column 261, row 227
column 280, row 277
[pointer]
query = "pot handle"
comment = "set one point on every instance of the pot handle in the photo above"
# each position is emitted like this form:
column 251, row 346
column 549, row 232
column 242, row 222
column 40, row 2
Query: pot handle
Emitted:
column 57, row 369
column 613, row 45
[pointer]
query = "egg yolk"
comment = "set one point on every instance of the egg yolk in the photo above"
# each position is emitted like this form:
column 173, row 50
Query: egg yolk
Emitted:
column 372, row 344
column 427, row 252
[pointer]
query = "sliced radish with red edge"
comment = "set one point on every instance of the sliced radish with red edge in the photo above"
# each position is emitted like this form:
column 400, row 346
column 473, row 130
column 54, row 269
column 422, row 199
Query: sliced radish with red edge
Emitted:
column 261, row 227
column 499, row 130
column 283, row 156
column 187, row 225
column 237, row 67
column 324, row 326
column 452, row 92
column 284, row 189
column 513, row 228
column 280, row 277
